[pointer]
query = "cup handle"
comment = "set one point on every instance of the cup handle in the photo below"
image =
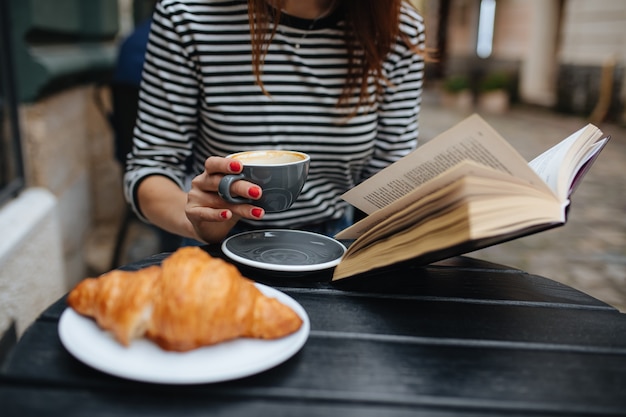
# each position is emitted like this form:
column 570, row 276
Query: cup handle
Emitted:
column 224, row 189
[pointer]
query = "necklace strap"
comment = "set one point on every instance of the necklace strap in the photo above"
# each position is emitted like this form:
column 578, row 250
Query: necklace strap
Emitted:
column 329, row 18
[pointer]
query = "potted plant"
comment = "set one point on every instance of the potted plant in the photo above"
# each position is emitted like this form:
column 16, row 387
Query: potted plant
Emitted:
column 457, row 92
column 494, row 92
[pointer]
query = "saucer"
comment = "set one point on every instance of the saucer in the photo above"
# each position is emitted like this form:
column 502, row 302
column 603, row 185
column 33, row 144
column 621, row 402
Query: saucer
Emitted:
column 284, row 250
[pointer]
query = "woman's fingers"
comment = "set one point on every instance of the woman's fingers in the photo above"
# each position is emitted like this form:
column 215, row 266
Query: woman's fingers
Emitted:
column 208, row 206
column 204, row 205
column 216, row 168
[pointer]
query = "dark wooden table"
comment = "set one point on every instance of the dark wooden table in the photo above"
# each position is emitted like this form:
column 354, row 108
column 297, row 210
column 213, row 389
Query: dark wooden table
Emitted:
column 461, row 337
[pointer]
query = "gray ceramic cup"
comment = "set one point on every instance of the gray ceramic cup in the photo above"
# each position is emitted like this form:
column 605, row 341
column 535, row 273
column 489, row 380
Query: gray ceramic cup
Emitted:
column 280, row 174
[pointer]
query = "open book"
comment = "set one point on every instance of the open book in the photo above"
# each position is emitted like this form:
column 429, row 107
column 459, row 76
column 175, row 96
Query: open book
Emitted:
column 464, row 190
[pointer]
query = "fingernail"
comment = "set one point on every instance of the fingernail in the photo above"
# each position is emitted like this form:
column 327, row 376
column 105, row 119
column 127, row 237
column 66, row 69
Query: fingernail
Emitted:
column 235, row 166
column 257, row 212
column 254, row 192
column 224, row 214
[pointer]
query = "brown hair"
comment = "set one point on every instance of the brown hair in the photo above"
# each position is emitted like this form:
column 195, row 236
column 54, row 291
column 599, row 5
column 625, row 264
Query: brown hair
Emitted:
column 372, row 27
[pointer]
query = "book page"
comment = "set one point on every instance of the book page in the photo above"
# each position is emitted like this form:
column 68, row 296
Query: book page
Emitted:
column 423, row 192
column 472, row 139
column 559, row 166
column 474, row 209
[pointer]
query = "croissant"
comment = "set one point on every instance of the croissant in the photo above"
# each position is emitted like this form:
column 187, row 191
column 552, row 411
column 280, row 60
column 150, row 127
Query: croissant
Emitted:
column 119, row 301
column 191, row 300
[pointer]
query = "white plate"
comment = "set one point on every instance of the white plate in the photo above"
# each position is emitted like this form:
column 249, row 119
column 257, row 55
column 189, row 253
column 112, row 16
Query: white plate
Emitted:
column 145, row 361
column 284, row 250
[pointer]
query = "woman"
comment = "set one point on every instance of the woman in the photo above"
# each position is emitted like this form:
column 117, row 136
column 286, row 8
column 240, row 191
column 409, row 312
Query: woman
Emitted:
column 338, row 79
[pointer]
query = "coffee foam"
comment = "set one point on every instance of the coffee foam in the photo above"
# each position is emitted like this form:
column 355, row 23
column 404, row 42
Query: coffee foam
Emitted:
column 268, row 157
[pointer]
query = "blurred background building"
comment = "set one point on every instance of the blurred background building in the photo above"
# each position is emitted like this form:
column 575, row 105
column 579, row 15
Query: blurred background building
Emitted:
column 61, row 204
column 566, row 55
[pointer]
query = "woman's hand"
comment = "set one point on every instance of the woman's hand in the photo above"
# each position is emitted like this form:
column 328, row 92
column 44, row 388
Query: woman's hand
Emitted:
column 210, row 215
column 200, row 214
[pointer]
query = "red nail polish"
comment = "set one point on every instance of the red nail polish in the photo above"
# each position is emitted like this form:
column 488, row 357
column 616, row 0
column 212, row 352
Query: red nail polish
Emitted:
column 235, row 166
column 257, row 212
column 224, row 214
column 254, row 192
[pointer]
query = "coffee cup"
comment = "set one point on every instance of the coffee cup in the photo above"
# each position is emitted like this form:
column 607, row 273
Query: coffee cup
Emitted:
column 280, row 174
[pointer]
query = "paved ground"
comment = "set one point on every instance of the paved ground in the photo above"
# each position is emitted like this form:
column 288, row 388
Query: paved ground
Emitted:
column 588, row 253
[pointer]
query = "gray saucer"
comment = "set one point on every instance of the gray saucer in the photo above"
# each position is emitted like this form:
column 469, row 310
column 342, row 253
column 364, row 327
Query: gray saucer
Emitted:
column 284, row 250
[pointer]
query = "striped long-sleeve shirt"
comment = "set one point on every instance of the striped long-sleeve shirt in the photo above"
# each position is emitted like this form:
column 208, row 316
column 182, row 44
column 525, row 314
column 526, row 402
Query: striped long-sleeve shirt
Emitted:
column 199, row 98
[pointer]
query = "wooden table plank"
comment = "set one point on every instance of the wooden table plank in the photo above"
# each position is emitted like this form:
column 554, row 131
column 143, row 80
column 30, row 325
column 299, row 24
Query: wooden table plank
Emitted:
column 392, row 371
column 462, row 319
column 158, row 401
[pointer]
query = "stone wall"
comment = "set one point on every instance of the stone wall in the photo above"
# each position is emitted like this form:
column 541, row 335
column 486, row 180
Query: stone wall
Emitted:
column 591, row 74
column 592, row 32
column 32, row 273
column 63, row 227
column 68, row 149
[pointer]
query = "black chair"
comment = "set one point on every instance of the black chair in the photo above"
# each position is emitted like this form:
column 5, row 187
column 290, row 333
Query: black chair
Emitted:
column 7, row 342
column 124, row 98
column 124, row 101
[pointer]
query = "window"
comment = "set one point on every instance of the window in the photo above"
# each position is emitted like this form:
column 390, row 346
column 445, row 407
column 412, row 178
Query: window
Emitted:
column 486, row 22
column 11, row 165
